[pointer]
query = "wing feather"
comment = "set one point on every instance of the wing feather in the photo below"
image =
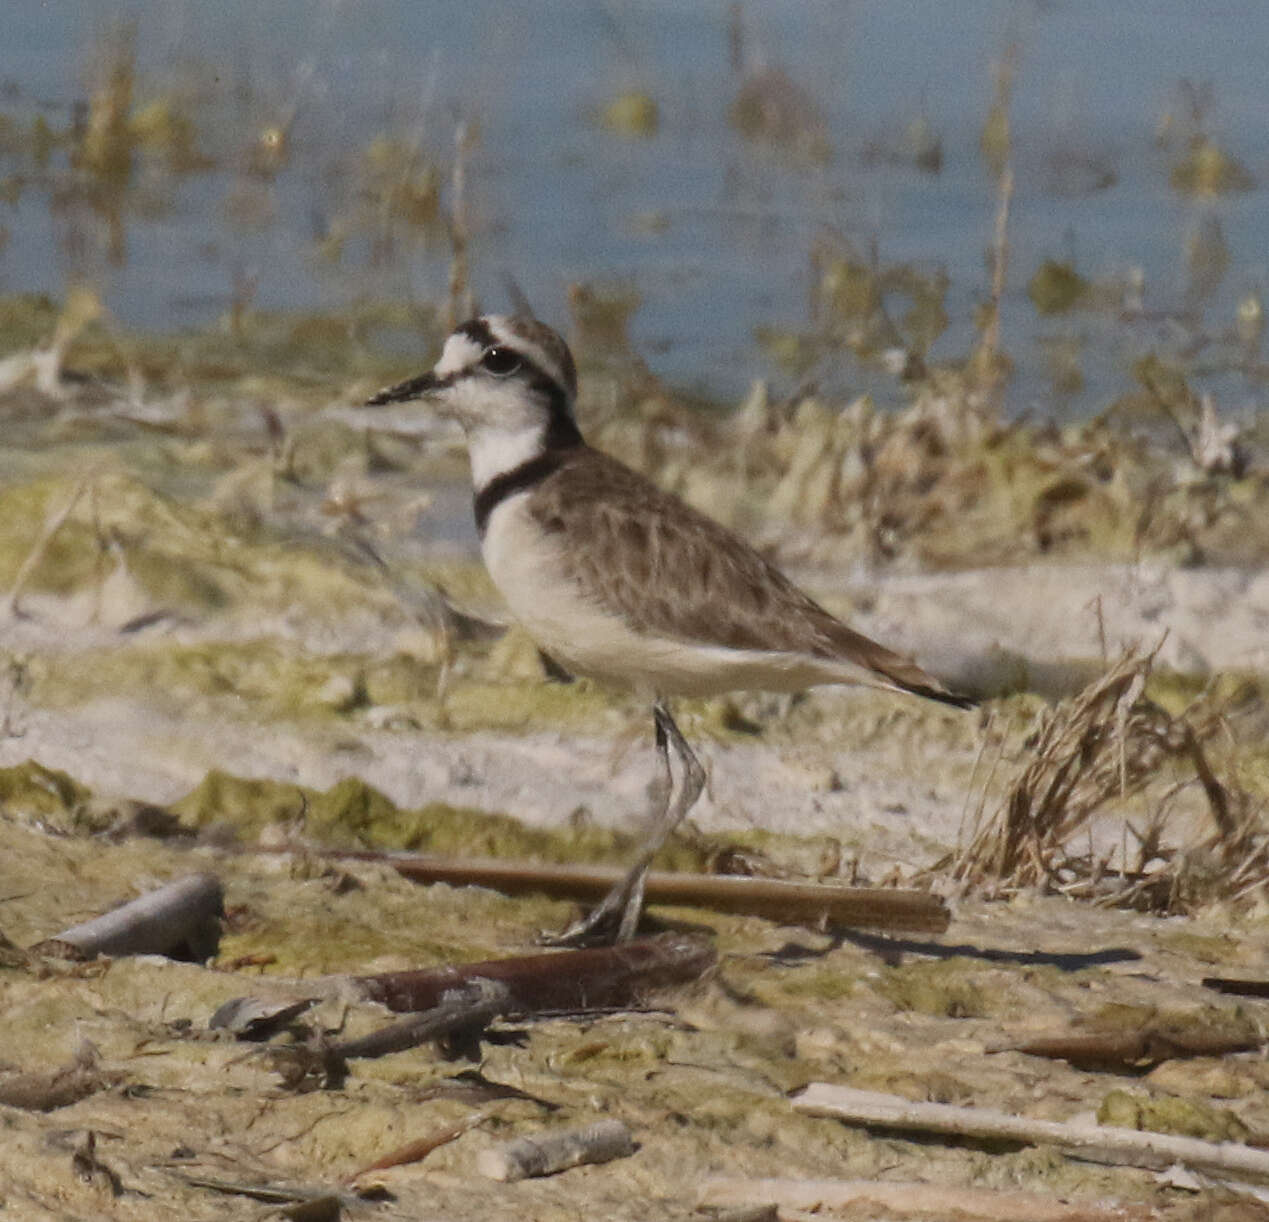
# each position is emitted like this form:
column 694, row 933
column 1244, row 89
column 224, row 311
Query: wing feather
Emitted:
column 673, row 572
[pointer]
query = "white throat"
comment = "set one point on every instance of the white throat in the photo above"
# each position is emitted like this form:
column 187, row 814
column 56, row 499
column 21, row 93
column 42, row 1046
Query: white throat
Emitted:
column 495, row 451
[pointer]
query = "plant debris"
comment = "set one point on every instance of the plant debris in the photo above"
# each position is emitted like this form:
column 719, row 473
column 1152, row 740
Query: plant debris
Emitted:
column 1094, row 751
column 58, row 1088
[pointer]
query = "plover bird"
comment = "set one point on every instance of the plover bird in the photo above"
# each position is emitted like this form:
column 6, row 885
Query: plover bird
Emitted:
column 622, row 582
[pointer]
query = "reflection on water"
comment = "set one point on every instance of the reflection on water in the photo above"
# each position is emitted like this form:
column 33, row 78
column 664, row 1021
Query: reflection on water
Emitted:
column 793, row 192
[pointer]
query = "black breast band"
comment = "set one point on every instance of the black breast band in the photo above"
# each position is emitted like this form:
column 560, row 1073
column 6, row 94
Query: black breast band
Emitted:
column 518, row 479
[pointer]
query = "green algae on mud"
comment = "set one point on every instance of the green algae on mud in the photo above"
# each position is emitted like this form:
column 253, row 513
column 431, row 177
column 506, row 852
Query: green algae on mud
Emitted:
column 941, row 988
column 1171, row 1114
column 274, row 678
column 46, row 795
column 178, row 556
column 353, row 814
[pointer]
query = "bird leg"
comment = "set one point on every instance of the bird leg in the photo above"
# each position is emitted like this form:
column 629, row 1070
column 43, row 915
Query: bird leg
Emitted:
column 625, row 900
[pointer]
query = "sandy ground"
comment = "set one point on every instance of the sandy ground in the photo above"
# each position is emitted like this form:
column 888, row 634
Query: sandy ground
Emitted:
column 1204, row 619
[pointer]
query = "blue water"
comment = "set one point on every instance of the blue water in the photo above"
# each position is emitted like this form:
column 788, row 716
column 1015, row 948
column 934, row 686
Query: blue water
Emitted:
column 556, row 198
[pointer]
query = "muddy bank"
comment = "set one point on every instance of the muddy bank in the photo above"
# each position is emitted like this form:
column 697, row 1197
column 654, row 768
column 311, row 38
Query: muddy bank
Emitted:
column 234, row 618
column 703, row 1083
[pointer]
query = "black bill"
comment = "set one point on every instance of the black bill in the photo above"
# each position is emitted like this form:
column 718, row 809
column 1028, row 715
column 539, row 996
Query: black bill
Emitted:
column 403, row 392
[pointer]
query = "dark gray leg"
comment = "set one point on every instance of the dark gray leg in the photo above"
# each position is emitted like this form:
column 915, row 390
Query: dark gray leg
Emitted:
column 625, row 900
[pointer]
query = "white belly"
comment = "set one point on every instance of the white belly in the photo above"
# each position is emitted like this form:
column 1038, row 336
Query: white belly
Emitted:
column 587, row 639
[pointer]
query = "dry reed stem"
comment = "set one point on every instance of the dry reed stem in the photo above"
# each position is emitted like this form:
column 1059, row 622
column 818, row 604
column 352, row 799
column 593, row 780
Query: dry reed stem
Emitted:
column 40, row 548
column 460, row 304
column 1103, row 746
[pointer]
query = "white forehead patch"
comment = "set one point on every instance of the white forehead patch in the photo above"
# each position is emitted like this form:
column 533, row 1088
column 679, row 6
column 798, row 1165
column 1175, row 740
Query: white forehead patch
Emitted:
column 458, row 353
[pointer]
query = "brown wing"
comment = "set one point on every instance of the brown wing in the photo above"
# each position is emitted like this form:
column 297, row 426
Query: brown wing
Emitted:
column 641, row 544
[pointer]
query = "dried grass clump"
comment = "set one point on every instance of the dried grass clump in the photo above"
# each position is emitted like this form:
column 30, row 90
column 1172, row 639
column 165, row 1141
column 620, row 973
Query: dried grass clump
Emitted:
column 1100, row 748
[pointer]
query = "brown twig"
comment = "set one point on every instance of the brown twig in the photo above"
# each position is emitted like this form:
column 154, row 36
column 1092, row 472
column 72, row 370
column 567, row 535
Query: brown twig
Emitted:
column 270, row 1194
column 470, row 1007
column 180, row 919
column 455, row 1004
column 417, row 1150
column 460, row 1015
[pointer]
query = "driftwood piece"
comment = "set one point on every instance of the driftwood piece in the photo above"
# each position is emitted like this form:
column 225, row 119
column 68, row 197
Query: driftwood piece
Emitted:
column 547, row 1153
column 180, row 920
column 558, row 980
column 862, row 1197
column 897, row 909
column 776, row 899
column 455, row 1004
column 1148, row 1045
column 459, row 1017
column 1092, row 1142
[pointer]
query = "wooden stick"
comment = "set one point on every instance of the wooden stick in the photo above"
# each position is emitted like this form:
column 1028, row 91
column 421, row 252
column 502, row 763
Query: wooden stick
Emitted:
column 776, row 899
column 1093, row 1142
column 559, row 980
column 472, row 1006
column 547, row 1153
column 890, row 1197
column 181, row 916
column 461, row 1014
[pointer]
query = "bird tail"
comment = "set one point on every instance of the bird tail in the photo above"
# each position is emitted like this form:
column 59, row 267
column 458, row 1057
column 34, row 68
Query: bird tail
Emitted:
column 896, row 670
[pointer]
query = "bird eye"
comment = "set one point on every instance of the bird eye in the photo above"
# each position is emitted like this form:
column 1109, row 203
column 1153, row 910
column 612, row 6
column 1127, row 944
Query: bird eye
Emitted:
column 501, row 362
